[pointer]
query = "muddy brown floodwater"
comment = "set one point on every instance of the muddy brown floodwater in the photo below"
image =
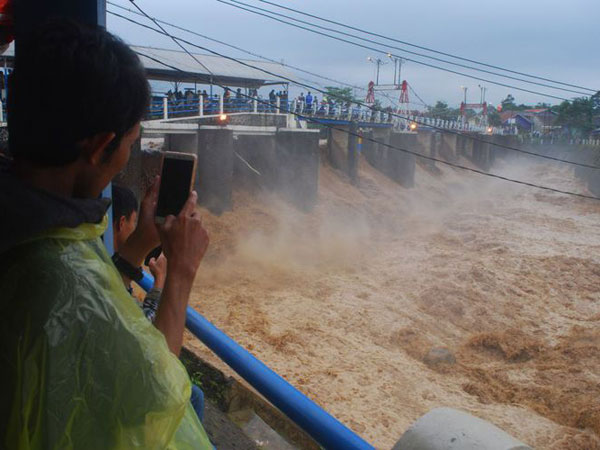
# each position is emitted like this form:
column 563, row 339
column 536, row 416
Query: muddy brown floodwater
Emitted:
column 344, row 302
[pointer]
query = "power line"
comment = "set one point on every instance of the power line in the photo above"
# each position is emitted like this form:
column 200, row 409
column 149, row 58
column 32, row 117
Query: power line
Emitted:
column 256, row 55
column 239, row 48
column 552, row 158
column 419, row 155
column 524, row 183
column 408, row 51
column 167, row 34
column 357, row 44
column 425, row 48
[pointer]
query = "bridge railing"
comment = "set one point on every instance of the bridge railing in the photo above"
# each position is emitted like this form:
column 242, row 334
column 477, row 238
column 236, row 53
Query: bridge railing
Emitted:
column 163, row 107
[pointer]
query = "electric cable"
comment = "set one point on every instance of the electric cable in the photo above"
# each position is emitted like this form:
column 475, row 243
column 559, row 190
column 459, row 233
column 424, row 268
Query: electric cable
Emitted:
column 445, row 61
column 425, row 48
column 417, row 154
column 357, row 44
column 361, row 103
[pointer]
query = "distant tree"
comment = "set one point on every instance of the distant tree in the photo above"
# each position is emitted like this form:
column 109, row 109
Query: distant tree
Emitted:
column 596, row 103
column 442, row 111
column 494, row 117
column 508, row 104
column 341, row 94
column 577, row 114
column 596, row 109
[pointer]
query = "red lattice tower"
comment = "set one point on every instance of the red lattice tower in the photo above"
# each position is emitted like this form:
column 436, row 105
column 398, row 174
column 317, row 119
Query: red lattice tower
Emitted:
column 370, row 100
column 403, row 106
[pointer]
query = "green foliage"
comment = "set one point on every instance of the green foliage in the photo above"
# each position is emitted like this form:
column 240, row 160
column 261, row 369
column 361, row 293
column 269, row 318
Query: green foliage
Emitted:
column 508, row 104
column 341, row 94
column 442, row 111
column 494, row 117
column 577, row 114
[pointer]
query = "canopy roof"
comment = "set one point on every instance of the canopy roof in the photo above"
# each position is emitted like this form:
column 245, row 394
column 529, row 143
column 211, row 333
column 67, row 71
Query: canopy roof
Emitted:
column 179, row 66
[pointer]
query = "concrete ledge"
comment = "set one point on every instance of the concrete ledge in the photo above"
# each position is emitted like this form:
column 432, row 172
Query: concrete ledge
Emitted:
column 451, row 429
column 156, row 127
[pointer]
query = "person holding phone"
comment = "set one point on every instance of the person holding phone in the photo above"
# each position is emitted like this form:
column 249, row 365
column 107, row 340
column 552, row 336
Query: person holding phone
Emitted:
column 125, row 213
column 82, row 367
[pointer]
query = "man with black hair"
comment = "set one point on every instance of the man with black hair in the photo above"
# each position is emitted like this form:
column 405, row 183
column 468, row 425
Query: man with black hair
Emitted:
column 81, row 365
column 125, row 212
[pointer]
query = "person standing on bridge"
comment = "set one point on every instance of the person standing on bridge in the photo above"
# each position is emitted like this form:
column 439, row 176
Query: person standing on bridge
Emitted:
column 309, row 102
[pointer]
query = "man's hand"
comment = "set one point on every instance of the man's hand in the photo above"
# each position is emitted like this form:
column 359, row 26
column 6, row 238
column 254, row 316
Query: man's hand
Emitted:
column 145, row 237
column 184, row 239
column 184, row 242
column 158, row 268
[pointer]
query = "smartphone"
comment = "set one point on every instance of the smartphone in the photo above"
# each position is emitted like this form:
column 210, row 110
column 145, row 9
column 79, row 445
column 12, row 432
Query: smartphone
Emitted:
column 176, row 181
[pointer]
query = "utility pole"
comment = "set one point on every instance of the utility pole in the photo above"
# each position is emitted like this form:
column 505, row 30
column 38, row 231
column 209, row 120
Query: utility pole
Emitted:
column 464, row 88
column 397, row 69
column 378, row 62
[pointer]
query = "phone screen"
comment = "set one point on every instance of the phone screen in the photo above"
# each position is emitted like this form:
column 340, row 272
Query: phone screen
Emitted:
column 175, row 185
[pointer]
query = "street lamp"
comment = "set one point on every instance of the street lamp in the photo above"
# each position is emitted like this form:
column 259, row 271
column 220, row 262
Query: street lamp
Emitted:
column 465, row 89
column 378, row 62
column 397, row 67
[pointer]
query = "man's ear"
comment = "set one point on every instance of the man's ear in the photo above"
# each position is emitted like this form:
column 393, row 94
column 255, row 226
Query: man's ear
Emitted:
column 121, row 222
column 94, row 148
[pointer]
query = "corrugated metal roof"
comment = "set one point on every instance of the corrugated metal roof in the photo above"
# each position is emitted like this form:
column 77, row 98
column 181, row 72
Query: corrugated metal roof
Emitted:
column 226, row 70
column 219, row 67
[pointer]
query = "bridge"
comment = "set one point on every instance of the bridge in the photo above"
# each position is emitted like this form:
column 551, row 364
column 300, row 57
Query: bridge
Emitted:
column 326, row 113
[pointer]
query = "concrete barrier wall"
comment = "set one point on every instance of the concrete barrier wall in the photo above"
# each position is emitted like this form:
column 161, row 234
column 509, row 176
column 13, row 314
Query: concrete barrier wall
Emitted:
column 449, row 147
column 447, row 428
column 249, row 119
column 401, row 165
column 184, row 143
column 426, row 144
column 215, row 168
column 260, row 152
column 337, row 149
column 298, row 160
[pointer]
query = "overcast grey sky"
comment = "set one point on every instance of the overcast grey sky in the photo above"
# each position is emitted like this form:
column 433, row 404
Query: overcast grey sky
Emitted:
column 550, row 38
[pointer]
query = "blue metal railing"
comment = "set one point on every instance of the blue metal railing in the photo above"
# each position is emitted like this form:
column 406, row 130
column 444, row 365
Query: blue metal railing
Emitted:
column 163, row 107
column 318, row 423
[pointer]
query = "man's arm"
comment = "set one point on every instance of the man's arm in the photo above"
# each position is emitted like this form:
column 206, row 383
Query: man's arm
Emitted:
column 184, row 242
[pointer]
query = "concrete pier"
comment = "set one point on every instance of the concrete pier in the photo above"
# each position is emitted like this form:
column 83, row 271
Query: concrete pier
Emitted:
column 401, row 165
column 298, row 159
column 214, row 178
column 426, row 145
column 449, row 147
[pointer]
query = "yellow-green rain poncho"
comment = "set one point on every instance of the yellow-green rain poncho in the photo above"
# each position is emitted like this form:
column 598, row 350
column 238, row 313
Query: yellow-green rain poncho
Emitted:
column 82, row 368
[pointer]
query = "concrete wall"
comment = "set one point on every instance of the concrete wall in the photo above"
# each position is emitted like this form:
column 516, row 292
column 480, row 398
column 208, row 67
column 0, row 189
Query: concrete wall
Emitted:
column 426, row 144
column 375, row 152
column 337, row 149
column 401, row 165
column 184, row 143
column 250, row 119
column 298, row 160
column 447, row 428
column 260, row 151
column 396, row 164
column 449, row 146
column 214, row 179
